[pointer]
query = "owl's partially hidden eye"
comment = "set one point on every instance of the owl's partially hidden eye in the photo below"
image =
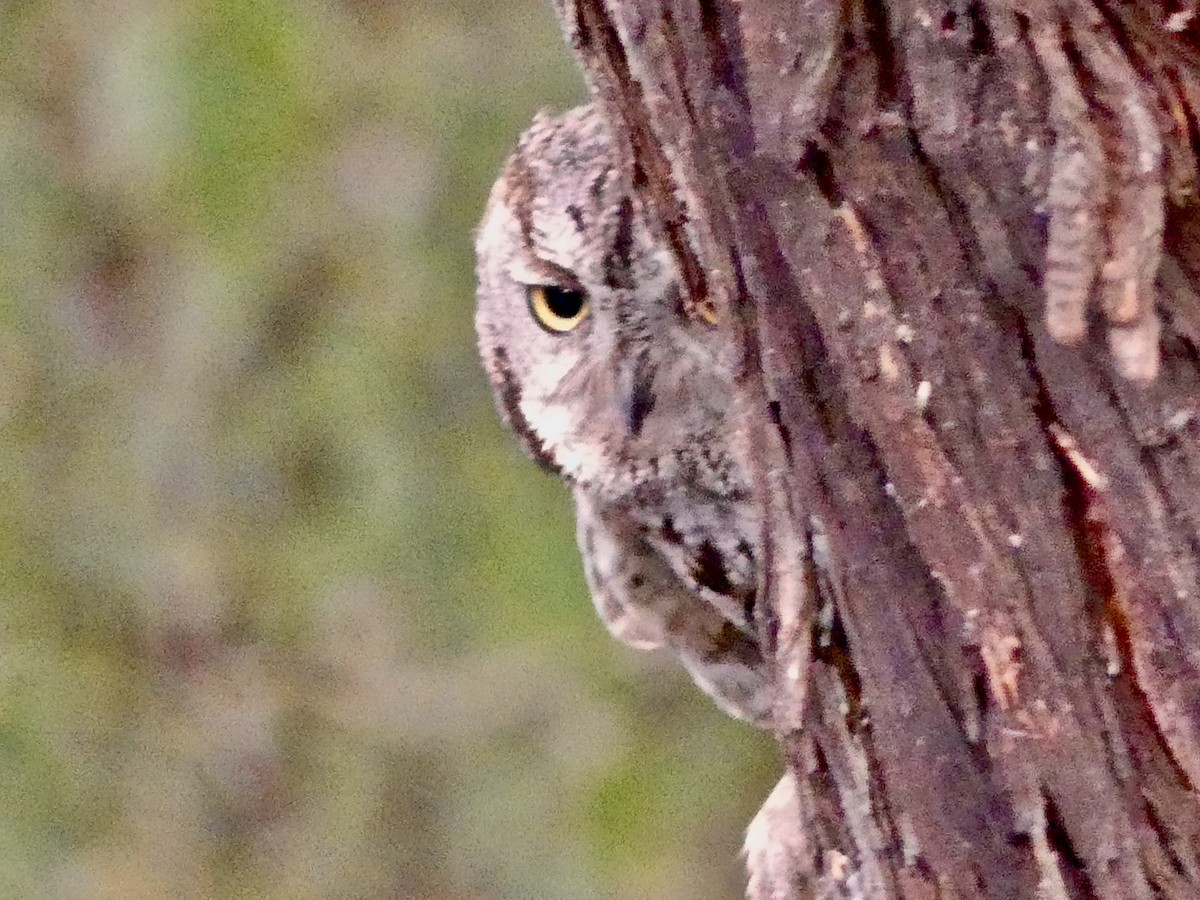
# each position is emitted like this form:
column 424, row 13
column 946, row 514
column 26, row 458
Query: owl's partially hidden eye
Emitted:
column 557, row 309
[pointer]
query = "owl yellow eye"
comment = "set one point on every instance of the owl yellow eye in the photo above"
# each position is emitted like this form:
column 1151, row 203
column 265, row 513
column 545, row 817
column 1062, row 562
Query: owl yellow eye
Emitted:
column 556, row 309
column 707, row 311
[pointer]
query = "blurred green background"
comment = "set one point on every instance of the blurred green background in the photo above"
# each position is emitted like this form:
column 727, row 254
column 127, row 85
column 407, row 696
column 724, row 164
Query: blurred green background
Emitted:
column 283, row 610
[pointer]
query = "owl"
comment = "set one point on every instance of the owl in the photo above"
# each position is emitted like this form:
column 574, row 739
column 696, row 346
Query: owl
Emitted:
column 617, row 388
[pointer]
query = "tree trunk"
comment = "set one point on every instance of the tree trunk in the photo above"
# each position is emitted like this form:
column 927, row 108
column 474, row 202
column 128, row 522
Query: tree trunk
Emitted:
column 955, row 241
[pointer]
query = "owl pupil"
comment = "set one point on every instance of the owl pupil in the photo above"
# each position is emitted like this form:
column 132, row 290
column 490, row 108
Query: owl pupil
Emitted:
column 563, row 303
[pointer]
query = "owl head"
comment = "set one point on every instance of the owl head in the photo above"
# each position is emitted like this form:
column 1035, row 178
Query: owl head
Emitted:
column 593, row 360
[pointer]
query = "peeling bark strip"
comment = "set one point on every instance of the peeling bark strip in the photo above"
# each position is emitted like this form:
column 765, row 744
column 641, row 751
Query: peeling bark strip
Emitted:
column 959, row 247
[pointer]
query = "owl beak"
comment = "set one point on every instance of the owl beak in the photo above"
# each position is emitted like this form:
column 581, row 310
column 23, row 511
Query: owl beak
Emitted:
column 636, row 395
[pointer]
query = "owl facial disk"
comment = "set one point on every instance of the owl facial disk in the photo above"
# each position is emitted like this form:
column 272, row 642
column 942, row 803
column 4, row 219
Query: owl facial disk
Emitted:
column 594, row 360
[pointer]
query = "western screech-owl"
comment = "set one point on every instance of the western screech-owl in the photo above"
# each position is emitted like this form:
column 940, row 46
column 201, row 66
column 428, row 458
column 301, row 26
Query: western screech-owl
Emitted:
column 610, row 383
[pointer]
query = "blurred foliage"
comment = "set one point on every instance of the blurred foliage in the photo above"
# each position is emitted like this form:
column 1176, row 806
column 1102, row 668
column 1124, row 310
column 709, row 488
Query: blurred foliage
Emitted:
column 283, row 612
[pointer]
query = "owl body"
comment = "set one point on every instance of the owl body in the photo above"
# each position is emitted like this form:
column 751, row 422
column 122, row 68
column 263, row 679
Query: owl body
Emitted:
column 613, row 385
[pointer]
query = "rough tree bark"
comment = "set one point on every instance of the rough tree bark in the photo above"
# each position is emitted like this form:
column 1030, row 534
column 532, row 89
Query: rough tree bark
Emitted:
column 940, row 232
